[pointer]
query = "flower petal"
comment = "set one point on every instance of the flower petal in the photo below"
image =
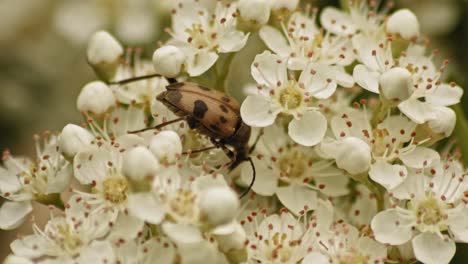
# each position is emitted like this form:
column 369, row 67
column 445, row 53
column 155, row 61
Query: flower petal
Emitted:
column 232, row 41
column 265, row 183
column 13, row 214
column 126, row 227
column 31, row 246
column 316, row 258
column 337, row 21
column 146, row 207
column 9, row 183
column 419, row 112
column 445, row 95
column 269, row 69
column 97, row 252
column 91, row 165
column 387, row 175
column 200, row 61
column 257, row 111
column 390, row 228
column 296, row 198
column 160, row 250
column 367, row 79
column 430, row 248
column 420, row 157
column 309, row 130
column 275, row 40
column 182, row 233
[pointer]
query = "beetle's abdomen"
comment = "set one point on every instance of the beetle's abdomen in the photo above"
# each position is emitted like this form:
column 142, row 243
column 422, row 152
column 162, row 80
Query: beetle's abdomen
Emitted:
column 212, row 113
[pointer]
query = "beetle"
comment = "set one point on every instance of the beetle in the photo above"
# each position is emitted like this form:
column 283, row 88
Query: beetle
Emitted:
column 209, row 111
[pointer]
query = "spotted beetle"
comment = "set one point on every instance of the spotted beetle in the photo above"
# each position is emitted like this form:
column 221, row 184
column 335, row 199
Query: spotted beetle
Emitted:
column 212, row 113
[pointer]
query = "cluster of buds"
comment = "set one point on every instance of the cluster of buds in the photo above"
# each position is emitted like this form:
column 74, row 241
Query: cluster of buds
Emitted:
column 346, row 117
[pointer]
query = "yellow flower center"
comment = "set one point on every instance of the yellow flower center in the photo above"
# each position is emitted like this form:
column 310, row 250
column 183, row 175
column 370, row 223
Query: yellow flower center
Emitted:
column 429, row 212
column 293, row 164
column 68, row 240
column 115, row 190
column 182, row 205
column 291, row 97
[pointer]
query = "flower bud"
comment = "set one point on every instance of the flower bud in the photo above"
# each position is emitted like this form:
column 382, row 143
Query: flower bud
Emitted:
column 255, row 10
column 168, row 61
column 231, row 236
column 166, row 146
column 73, row 139
column 444, row 121
column 290, row 5
column 396, row 84
column 218, row 205
column 95, row 97
column 103, row 54
column 353, row 155
column 404, row 23
column 139, row 163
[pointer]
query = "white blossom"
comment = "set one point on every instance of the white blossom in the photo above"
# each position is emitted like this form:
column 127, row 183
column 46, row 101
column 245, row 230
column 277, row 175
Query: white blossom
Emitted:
column 432, row 205
column 23, row 181
column 168, row 60
column 202, row 34
column 95, row 97
column 104, row 53
column 403, row 22
column 277, row 94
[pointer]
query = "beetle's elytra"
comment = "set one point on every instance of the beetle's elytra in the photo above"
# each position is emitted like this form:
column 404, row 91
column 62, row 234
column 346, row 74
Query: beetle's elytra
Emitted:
column 211, row 112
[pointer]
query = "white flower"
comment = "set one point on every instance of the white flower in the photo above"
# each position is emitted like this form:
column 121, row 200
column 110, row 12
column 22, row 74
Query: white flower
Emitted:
column 139, row 163
column 22, row 181
column 278, row 239
column 338, row 242
column 202, row 34
column 168, row 61
column 443, row 122
column 69, row 239
column 361, row 18
column 104, row 53
column 255, row 10
column 157, row 249
column 95, row 97
column 290, row 5
column 393, row 138
column 218, row 205
column 404, row 23
column 429, row 207
column 166, row 146
column 305, row 43
column 73, row 139
column 293, row 172
column 377, row 58
column 430, row 94
column 277, row 95
column 396, row 84
column 141, row 91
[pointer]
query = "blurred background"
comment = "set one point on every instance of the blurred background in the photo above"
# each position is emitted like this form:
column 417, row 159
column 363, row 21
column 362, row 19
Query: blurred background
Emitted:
column 43, row 60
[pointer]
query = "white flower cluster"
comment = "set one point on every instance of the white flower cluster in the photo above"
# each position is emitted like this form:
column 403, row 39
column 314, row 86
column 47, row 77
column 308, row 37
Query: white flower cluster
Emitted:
column 346, row 108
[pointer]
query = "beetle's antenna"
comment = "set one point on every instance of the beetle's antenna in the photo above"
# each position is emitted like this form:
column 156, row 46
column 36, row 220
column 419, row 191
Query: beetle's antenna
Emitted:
column 158, row 126
column 253, row 179
column 143, row 77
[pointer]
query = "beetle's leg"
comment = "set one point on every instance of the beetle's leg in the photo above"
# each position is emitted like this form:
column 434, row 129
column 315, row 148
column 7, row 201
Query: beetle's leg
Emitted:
column 260, row 134
column 143, row 77
column 198, row 150
column 159, row 126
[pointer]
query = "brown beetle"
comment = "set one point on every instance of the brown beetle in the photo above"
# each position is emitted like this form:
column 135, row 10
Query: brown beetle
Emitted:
column 211, row 112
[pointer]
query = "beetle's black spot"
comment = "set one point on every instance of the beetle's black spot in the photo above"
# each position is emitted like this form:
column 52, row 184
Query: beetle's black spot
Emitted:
column 222, row 119
column 225, row 99
column 199, row 109
column 204, row 88
column 214, row 127
column 174, row 86
column 174, row 97
column 223, row 108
